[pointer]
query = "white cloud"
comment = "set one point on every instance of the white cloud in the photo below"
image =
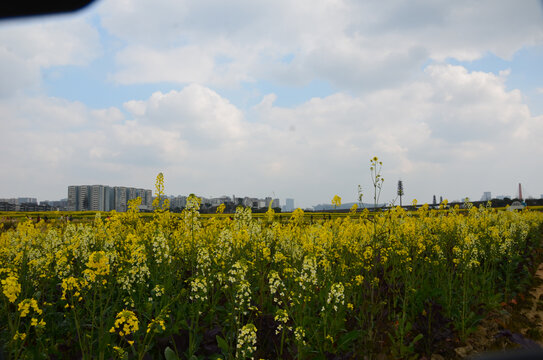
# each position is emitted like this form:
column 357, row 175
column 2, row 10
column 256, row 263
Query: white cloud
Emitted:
column 351, row 44
column 442, row 129
column 452, row 132
column 426, row 132
column 361, row 46
column 27, row 47
column 181, row 65
column 52, row 42
column 17, row 73
column 200, row 114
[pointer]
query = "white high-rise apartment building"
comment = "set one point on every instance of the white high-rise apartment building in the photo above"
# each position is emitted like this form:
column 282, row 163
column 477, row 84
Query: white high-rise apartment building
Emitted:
column 121, row 198
column 73, row 195
column 487, row 196
column 97, row 198
column 83, row 198
column 105, row 198
column 109, row 198
column 289, row 205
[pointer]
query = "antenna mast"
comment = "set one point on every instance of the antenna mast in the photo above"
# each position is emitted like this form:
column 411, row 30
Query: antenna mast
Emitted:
column 400, row 191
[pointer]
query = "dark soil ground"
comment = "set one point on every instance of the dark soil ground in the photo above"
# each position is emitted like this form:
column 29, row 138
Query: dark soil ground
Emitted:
column 518, row 325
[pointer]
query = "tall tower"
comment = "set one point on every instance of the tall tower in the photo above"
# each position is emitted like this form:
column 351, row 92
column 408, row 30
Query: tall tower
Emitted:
column 519, row 191
column 400, row 191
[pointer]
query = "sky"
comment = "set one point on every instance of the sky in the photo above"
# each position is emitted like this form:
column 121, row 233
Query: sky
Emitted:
column 289, row 99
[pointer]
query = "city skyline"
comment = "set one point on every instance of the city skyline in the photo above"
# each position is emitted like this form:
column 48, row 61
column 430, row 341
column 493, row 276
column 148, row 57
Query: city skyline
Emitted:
column 178, row 200
column 276, row 98
column 106, row 198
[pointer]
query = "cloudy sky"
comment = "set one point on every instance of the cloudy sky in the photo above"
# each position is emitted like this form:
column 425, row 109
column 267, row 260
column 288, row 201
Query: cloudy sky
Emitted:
column 284, row 98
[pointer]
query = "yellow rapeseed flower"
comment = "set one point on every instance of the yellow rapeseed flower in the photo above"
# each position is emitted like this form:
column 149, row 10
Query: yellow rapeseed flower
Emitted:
column 19, row 335
column 126, row 323
column 11, row 288
column 28, row 304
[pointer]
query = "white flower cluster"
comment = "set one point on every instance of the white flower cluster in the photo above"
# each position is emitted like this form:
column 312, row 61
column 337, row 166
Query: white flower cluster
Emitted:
column 40, row 255
column 467, row 252
column 336, row 295
column 242, row 217
column 86, row 242
column 308, row 275
column 203, row 262
column 236, row 277
column 191, row 213
column 277, row 288
column 243, row 297
column 161, row 249
column 225, row 244
column 198, row 289
column 237, row 272
column 157, row 292
column 246, row 345
column 136, row 271
column 299, row 335
column 255, row 230
column 281, row 316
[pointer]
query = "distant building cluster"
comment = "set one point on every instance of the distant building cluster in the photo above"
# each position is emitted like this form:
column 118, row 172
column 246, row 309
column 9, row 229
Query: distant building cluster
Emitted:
column 28, row 204
column 487, row 196
column 256, row 202
column 21, row 200
column 179, row 202
column 61, row 205
column 106, row 198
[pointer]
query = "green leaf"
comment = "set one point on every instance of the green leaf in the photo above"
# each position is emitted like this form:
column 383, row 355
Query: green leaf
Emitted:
column 417, row 338
column 169, row 354
column 223, row 345
column 346, row 340
column 184, row 324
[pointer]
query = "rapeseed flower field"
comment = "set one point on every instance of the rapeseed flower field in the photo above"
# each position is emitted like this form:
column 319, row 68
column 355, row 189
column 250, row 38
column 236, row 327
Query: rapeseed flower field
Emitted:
column 127, row 287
